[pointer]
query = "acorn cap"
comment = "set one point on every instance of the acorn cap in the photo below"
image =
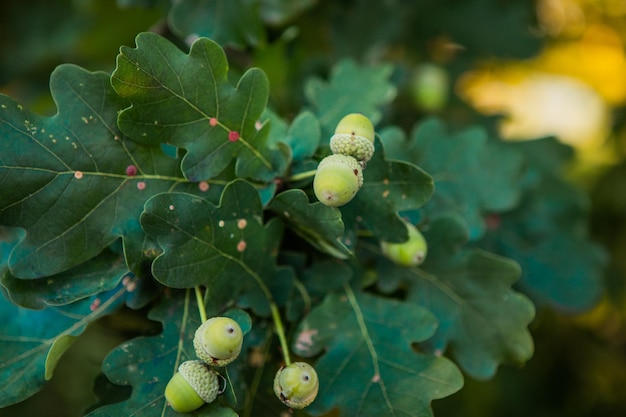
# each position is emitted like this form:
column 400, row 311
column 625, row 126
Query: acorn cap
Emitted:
column 353, row 145
column 193, row 385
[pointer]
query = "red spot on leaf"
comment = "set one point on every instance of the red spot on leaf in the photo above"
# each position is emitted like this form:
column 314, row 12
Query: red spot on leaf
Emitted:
column 131, row 170
column 233, row 136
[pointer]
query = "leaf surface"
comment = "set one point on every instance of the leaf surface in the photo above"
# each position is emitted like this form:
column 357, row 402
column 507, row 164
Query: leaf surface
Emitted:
column 350, row 89
column 32, row 341
column 187, row 101
column 225, row 246
column 482, row 320
column 64, row 178
column 368, row 367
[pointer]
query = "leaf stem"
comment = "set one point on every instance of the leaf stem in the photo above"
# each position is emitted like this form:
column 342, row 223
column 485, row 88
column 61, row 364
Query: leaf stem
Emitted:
column 200, row 301
column 280, row 330
column 301, row 176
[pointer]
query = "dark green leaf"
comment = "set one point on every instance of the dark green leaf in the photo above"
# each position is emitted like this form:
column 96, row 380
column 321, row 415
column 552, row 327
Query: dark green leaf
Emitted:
column 187, row 101
column 388, row 188
column 234, row 22
column 27, row 338
column 482, row 320
column 64, row 178
column 472, row 174
column 213, row 246
column 350, row 89
column 369, row 367
column 316, row 223
column 97, row 275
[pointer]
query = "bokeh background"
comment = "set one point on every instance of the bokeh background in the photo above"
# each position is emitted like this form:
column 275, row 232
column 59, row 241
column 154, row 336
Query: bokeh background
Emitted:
column 526, row 68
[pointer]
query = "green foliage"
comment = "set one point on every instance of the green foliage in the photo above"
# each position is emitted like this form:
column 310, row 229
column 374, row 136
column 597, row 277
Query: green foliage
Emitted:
column 179, row 184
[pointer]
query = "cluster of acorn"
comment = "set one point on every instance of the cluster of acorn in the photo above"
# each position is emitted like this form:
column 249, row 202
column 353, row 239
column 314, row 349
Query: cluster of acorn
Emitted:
column 339, row 176
column 217, row 343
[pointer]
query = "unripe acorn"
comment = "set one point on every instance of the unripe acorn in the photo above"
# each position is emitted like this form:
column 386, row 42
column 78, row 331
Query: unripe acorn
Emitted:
column 296, row 385
column 410, row 253
column 192, row 386
column 354, row 136
column 218, row 341
column 337, row 180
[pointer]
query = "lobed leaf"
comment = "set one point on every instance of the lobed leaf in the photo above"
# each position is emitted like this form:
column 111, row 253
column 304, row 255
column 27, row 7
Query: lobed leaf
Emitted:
column 225, row 246
column 369, row 367
column 482, row 320
column 350, row 89
column 319, row 225
column 67, row 179
column 31, row 342
column 472, row 175
column 186, row 100
column 389, row 187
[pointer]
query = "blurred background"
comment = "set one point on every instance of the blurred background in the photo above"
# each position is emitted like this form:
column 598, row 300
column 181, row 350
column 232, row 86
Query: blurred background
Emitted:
column 528, row 69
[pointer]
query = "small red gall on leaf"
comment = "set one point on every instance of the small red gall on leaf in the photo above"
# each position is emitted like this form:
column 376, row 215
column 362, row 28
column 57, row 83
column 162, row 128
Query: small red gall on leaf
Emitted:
column 241, row 246
column 131, row 170
column 95, row 304
column 203, row 186
column 213, row 121
column 233, row 136
column 242, row 223
column 375, row 378
column 78, row 174
column 141, row 185
column 171, row 207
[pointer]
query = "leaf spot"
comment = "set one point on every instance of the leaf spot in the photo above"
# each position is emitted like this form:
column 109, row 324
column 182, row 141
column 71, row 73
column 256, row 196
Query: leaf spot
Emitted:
column 305, row 339
column 78, row 174
column 4, row 106
column 241, row 246
column 131, row 170
column 85, row 120
column 385, row 193
column 233, row 136
column 242, row 223
column 171, row 207
column 286, row 214
column 213, row 121
column 141, row 185
column 95, row 304
column 386, row 181
column 258, row 125
column 203, row 186
column 375, row 378
column 221, row 223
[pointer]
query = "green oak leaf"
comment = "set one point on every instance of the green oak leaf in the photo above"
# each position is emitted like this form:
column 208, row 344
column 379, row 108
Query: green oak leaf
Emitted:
column 31, row 342
column 67, row 179
column 547, row 233
column 316, row 223
column 472, row 174
column 369, row 367
column 350, row 89
column 213, row 246
column 187, row 101
column 233, row 22
column 99, row 274
column 148, row 363
column 482, row 320
column 388, row 187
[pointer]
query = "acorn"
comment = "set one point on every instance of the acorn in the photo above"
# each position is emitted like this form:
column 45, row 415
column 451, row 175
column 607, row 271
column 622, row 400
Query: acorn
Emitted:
column 296, row 385
column 337, row 180
column 409, row 253
column 218, row 341
column 194, row 385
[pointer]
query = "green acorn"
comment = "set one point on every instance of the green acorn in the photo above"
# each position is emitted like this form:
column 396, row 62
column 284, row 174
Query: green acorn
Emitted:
column 409, row 253
column 218, row 341
column 296, row 385
column 354, row 136
column 337, row 180
column 192, row 386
